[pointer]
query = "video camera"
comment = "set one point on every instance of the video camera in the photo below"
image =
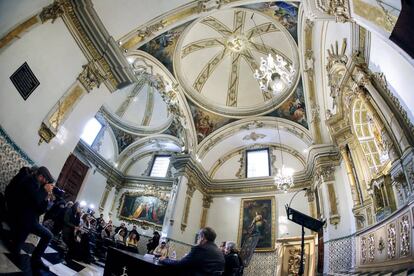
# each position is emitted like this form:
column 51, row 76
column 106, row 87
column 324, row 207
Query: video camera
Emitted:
column 57, row 192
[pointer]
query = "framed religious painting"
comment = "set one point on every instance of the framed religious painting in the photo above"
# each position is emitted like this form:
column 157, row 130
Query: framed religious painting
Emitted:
column 258, row 218
column 144, row 208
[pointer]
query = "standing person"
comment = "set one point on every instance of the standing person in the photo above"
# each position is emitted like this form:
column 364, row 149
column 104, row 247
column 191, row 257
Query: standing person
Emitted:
column 35, row 192
column 205, row 258
column 70, row 226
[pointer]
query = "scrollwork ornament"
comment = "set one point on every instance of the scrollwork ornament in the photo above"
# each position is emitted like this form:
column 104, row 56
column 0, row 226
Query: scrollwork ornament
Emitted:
column 364, row 250
column 371, row 247
column 391, row 241
column 405, row 234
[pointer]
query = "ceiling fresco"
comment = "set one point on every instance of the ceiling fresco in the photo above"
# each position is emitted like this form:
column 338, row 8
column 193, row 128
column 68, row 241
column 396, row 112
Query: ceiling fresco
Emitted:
column 292, row 108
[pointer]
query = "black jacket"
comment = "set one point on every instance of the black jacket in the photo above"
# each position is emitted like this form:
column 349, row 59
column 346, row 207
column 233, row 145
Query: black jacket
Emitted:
column 233, row 265
column 206, row 259
column 31, row 201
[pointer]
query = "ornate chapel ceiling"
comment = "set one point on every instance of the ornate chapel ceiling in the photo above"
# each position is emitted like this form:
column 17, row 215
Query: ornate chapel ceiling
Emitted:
column 214, row 57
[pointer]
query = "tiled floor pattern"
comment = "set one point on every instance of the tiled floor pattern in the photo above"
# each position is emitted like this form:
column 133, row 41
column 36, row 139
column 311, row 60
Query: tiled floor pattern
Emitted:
column 11, row 266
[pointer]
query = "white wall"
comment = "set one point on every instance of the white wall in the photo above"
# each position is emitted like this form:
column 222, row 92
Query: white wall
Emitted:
column 398, row 71
column 126, row 15
column 139, row 167
column 15, row 12
column 108, row 149
column 224, row 216
column 56, row 60
column 92, row 188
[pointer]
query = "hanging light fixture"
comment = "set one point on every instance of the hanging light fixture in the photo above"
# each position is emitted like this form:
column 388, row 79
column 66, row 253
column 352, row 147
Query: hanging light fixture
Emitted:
column 284, row 175
column 274, row 73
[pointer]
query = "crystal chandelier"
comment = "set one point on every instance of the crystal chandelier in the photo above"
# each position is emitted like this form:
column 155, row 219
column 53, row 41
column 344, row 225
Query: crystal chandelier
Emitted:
column 274, row 74
column 284, row 176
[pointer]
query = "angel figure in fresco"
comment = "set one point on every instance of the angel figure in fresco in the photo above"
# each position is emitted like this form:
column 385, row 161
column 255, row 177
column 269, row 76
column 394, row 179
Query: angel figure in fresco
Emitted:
column 204, row 125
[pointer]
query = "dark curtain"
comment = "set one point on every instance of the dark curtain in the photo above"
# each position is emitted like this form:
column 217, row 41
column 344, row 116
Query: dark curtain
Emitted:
column 403, row 33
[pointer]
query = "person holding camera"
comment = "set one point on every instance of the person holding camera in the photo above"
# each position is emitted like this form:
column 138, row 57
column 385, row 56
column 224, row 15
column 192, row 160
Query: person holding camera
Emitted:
column 35, row 193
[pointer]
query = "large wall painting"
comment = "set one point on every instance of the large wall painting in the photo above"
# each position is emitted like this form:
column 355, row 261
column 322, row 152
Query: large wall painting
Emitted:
column 258, row 217
column 145, row 209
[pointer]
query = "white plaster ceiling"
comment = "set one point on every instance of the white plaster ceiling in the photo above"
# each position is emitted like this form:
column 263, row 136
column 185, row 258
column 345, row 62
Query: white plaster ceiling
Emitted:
column 217, row 55
column 139, row 105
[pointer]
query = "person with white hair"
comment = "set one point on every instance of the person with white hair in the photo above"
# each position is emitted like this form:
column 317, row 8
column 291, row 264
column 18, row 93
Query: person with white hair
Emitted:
column 233, row 266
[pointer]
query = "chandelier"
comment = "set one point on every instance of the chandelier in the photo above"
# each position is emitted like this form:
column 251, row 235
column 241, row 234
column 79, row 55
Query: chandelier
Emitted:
column 284, row 176
column 274, row 74
column 284, row 179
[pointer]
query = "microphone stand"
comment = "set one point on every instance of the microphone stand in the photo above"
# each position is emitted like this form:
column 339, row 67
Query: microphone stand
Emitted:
column 302, row 245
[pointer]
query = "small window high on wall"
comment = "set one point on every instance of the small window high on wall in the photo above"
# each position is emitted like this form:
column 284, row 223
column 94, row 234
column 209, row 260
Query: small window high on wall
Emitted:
column 90, row 131
column 257, row 163
column 160, row 166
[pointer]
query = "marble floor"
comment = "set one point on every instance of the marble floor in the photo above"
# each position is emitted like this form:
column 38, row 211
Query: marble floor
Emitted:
column 9, row 265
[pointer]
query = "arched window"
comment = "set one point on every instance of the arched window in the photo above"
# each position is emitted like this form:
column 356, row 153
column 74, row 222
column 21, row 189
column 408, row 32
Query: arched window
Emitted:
column 364, row 129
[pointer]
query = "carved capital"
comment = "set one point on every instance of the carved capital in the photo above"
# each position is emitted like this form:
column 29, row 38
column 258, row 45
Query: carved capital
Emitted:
column 325, row 173
column 207, row 200
column 46, row 135
column 52, row 11
column 90, row 77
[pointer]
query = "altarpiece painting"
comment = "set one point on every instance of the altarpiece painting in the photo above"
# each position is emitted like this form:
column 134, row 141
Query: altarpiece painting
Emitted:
column 258, row 217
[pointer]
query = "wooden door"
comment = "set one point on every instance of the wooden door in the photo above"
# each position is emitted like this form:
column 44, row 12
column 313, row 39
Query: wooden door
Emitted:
column 71, row 177
column 320, row 251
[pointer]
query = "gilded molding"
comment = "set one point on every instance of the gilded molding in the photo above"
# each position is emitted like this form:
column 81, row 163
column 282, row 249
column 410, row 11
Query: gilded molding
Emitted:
column 60, row 112
column 18, row 31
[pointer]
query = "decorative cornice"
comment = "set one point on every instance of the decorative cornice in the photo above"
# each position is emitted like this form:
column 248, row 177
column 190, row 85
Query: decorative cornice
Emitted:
column 98, row 46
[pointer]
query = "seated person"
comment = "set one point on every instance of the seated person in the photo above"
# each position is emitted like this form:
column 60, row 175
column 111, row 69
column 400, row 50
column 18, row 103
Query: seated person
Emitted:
column 153, row 242
column 134, row 230
column 205, row 258
column 107, row 232
column 121, row 227
column 161, row 250
column 120, row 236
column 132, row 242
column 233, row 261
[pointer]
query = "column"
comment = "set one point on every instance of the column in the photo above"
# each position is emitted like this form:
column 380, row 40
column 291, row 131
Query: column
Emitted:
column 356, row 197
column 105, row 195
column 326, row 176
column 111, row 211
column 207, row 200
column 310, row 194
column 187, row 203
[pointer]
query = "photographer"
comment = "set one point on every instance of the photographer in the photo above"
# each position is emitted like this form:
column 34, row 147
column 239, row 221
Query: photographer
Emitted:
column 35, row 193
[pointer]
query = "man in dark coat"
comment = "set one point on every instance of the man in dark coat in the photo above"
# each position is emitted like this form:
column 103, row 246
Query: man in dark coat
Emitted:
column 34, row 196
column 204, row 259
